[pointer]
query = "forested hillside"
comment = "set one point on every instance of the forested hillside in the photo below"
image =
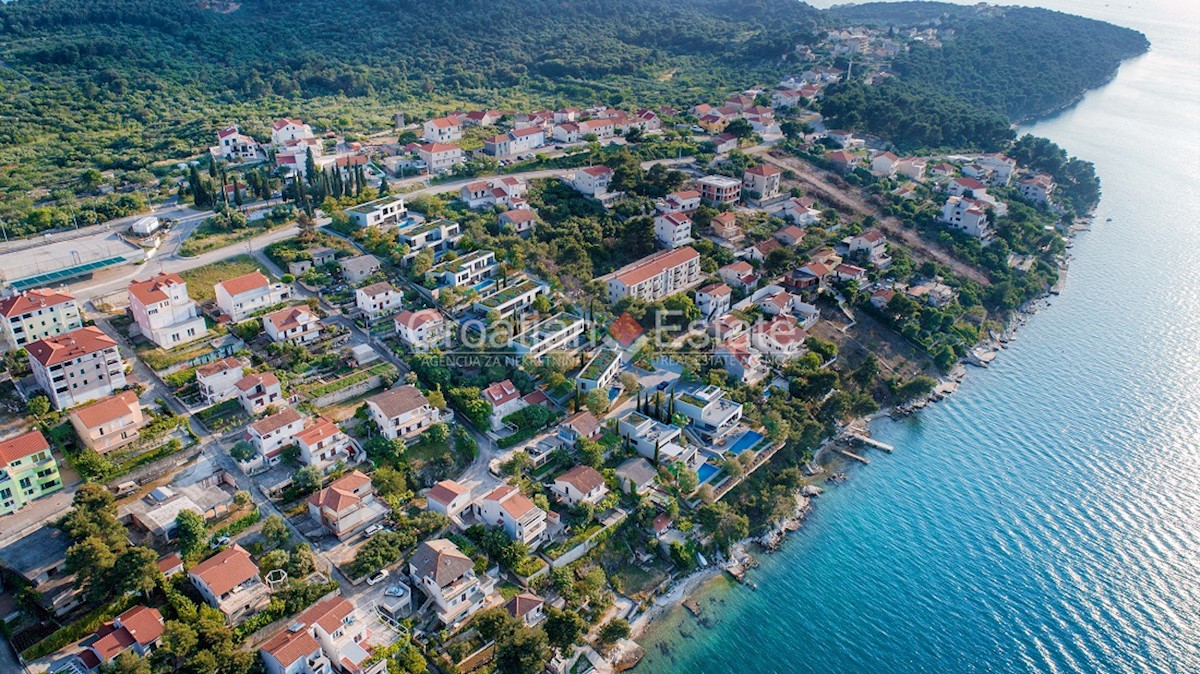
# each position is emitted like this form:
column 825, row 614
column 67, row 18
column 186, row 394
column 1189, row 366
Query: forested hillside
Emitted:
column 1001, row 64
column 135, row 85
column 122, row 83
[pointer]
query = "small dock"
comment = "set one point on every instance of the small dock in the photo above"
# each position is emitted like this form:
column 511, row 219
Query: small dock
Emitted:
column 872, row 442
column 851, row 455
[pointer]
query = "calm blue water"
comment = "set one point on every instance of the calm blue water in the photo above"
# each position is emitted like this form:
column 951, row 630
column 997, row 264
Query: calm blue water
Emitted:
column 705, row 472
column 1047, row 517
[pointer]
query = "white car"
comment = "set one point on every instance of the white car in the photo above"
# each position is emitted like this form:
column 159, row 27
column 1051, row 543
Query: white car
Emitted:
column 378, row 577
column 374, row 529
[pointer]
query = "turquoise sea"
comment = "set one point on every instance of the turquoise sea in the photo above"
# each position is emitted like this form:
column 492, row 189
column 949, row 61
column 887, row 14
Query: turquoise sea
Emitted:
column 1045, row 518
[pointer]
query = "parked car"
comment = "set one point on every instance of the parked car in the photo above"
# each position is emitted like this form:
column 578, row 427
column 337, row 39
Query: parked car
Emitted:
column 219, row 541
column 378, row 577
column 374, row 529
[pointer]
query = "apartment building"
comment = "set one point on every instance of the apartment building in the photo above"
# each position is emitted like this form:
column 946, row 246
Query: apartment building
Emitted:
column 656, row 276
column 164, row 313
column 28, row 471
column 77, row 367
column 36, row 314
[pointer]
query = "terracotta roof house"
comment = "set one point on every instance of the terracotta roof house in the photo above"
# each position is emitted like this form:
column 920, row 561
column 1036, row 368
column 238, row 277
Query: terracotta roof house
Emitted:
column 108, row 423
column 448, row 498
column 292, row 325
column 506, row 507
column 77, row 367
column 526, row 607
column 580, row 484
column 347, row 506
column 241, row 296
column 136, row 630
column 230, row 582
column 582, row 424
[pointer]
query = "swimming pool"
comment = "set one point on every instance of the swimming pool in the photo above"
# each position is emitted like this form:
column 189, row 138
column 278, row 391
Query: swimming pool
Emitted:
column 614, row 393
column 748, row 440
column 706, row 471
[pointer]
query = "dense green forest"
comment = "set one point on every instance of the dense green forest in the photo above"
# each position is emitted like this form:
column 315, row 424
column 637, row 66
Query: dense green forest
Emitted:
column 999, row 65
column 120, row 84
column 133, row 86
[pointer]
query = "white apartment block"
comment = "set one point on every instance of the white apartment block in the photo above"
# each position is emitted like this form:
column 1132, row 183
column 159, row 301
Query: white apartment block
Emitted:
column 656, row 276
column 442, row 130
column 164, row 312
column 77, row 367
column 673, row 230
column 559, row 332
column 506, row 507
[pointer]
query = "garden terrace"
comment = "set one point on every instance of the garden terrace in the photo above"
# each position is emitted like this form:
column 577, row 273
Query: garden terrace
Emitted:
column 599, row 364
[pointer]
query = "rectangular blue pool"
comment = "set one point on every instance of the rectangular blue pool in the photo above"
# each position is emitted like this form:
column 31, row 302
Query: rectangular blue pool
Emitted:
column 748, row 440
column 706, row 471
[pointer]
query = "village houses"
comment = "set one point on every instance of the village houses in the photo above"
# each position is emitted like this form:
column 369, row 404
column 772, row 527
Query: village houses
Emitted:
column 241, row 296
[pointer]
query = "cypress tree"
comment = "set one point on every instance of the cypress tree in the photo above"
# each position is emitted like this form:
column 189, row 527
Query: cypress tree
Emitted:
column 383, row 186
column 310, row 166
column 237, row 192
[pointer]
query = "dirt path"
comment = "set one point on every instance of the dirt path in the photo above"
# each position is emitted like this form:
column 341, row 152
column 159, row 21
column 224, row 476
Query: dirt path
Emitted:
column 852, row 200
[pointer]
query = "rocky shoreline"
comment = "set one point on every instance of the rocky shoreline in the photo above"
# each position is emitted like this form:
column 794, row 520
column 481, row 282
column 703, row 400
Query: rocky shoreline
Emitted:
column 686, row 588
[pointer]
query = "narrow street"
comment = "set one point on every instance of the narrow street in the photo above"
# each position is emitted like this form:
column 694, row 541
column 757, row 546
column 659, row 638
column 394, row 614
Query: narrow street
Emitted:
column 851, row 199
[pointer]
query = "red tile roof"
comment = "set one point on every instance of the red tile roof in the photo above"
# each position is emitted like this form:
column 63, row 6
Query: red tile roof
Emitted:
column 276, row 421
column 69, row 346
column 649, row 267
column 152, row 291
column 626, row 330
column 501, row 392
column 316, row 430
column 22, row 446
column 583, row 478
column 218, row 366
column 244, row 283
column 445, row 491
column 763, row 170
column 415, row 319
column 107, row 409
column 265, row 379
column 32, row 300
column 511, row 500
column 225, row 570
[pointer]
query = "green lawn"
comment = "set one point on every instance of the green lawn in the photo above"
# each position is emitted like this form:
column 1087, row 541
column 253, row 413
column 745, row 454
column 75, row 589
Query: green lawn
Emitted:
column 202, row 279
